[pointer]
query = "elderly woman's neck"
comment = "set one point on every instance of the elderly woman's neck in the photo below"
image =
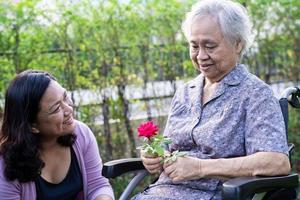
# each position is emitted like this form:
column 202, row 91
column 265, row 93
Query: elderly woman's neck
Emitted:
column 208, row 90
column 210, row 82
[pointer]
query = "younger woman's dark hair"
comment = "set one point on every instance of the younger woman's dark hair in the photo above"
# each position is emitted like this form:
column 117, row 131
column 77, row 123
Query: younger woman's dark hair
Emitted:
column 20, row 146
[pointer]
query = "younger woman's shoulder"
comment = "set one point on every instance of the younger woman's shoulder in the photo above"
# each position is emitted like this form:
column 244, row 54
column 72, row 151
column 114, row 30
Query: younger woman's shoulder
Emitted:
column 1, row 164
column 83, row 132
column 80, row 126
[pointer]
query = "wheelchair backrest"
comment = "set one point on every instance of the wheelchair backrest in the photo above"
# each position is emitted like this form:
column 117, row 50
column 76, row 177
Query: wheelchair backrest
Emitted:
column 289, row 96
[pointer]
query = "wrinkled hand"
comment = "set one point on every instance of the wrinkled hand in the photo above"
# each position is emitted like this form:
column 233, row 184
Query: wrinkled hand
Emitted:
column 152, row 163
column 184, row 168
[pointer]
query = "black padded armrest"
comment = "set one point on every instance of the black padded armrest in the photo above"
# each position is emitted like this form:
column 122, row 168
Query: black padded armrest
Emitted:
column 116, row 168
column 241, row 188
column 237, row 188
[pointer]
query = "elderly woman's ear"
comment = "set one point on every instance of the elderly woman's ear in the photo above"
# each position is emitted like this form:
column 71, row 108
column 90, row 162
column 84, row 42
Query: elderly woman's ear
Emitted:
column 239, row 47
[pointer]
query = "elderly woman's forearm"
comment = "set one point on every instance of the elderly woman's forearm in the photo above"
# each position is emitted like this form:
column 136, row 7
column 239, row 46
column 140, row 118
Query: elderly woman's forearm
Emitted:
column 261, row 163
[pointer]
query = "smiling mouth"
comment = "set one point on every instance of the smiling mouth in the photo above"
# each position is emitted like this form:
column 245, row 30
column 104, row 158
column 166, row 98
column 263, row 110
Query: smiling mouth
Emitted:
column 69, row 121
column 205, row 65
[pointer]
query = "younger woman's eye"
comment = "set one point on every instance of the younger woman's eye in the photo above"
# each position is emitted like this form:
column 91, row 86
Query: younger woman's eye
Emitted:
column 56, row 109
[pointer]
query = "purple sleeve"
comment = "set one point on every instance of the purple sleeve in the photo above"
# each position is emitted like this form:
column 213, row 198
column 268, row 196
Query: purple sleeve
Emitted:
column 8, row 190
column 96, row 183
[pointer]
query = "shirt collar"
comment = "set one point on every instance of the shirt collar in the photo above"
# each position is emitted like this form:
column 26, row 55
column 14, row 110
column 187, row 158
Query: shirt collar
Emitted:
column 234, row 77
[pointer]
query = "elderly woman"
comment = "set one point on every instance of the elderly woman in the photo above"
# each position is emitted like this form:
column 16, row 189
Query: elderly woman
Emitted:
column 45, row 154
column 227, row 119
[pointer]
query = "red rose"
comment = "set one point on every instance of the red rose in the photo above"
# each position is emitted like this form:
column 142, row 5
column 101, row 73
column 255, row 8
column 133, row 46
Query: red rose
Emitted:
column 147, row 129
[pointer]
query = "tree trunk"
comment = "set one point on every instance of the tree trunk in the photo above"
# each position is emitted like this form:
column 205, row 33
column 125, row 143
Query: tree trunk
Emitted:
column 144, row 49
column 106, row 114
column 125, row 104
column 106, row 127
column 16, row 56
column 70, row 74
column 125, row 113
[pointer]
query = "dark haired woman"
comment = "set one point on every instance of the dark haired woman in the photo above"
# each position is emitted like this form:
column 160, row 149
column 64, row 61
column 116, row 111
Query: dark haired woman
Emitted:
column 45, row 153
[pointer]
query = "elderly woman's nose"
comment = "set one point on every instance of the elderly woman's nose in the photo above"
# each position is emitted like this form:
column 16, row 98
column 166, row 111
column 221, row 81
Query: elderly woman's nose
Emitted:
column 202, row 54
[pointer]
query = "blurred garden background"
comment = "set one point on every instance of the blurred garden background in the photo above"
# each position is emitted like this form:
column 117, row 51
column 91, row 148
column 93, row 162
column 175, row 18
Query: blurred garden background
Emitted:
column 123, row 60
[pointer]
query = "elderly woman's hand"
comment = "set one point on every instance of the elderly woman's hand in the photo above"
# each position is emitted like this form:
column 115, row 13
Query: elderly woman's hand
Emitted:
column 152, row 163
column 184, row 168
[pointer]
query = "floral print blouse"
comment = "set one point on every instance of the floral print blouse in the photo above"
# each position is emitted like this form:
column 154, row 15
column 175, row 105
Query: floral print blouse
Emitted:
column 241, row 118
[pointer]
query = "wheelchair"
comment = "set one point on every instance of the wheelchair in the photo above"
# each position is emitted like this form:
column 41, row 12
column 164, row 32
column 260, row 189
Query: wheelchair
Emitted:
column 241, row 188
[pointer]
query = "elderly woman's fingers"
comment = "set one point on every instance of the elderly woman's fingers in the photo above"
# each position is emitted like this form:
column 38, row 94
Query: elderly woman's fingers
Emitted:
column 153, row 168
column 169, row 169
column 147, row 155
column 155, row 171
column 151, row 161
column 152, row 164
column 184, row 168
column 175, row 177
column 167, row 164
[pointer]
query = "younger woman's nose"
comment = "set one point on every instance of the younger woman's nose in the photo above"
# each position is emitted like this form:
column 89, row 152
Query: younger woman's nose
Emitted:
column 68, row 108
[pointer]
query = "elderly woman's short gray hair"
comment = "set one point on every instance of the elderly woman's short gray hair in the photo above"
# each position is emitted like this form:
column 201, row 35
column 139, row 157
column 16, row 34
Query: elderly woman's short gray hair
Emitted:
column 232, row 17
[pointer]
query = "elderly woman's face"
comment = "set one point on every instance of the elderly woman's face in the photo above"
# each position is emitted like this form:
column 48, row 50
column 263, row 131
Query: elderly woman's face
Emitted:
column 210, row 52
column 55, row 117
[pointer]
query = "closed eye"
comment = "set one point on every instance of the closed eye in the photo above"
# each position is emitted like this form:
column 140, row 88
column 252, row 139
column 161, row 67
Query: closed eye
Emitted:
column 193, row 44
column 57, row 109
column 210, row 47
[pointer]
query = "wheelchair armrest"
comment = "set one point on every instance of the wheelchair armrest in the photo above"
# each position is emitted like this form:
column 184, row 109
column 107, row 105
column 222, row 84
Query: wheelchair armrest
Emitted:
column 116, row 168
column 242, row 187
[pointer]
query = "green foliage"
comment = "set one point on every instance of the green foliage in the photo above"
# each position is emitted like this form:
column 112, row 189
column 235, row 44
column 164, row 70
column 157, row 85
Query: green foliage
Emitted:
column 155, row 145
column 100, row 44
column 174, row 155
column 294, row 135
column 276, row 25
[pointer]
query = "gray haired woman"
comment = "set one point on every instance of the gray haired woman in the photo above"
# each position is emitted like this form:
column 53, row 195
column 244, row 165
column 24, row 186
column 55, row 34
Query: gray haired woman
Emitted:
column 226, row 118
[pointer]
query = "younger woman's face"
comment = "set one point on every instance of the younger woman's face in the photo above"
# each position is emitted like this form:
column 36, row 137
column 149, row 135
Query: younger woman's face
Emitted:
column 55, row 117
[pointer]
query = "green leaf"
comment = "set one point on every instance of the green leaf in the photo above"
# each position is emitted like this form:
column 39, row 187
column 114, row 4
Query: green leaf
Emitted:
column 160, row 151
column 181, row 154
column 174, row 158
